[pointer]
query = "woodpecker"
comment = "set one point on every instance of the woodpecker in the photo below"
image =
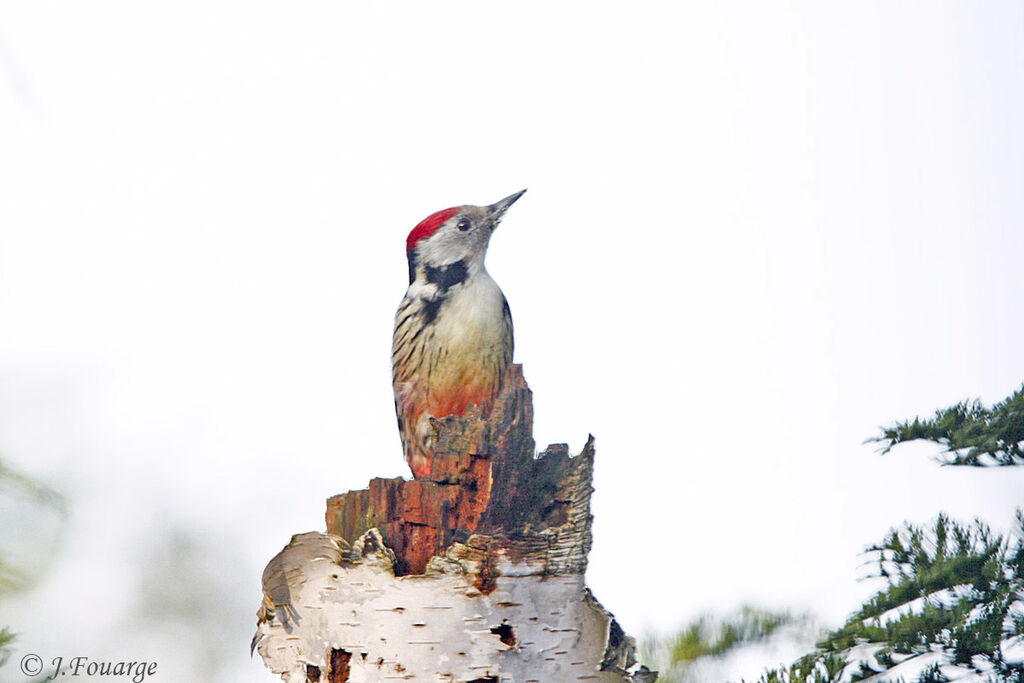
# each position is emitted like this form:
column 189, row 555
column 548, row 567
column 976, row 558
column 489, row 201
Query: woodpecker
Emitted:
column 453, row 330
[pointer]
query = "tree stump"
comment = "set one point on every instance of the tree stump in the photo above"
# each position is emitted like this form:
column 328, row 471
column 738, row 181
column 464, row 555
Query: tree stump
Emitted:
column 473, row 575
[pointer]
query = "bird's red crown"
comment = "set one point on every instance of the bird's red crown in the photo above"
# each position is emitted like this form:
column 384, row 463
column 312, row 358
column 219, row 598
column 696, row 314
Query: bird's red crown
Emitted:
column 427, row 227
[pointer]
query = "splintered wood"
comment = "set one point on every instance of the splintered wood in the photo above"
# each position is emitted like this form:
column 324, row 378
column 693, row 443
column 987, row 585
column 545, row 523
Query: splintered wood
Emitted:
column 473, row 575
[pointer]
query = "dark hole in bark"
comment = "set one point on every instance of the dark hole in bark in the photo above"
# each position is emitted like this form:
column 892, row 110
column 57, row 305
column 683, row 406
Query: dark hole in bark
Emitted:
column 312, row 673
column 339, row 666
column 505, row 634
column 615, row 635
column 489, row 679
column 401, row 567
column 617, row 654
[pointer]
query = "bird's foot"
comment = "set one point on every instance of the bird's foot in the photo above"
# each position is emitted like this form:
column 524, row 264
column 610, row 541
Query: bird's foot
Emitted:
column 437, row 426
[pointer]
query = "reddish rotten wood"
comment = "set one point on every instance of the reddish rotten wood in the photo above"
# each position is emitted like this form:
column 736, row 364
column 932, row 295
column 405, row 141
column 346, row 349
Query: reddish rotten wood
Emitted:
column 485, row 480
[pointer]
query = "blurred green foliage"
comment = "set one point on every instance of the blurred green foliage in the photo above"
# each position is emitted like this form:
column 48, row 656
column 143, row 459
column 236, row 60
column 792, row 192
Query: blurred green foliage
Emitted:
column 6, row 638
column 953, row 592
column 682, row 656
column 950, row 588
column 706, row 636
column 11, row 580
column 971, row 433
column 953, row 595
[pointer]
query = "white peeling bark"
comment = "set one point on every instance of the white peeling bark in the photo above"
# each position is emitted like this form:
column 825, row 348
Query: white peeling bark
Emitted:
column 440, row 627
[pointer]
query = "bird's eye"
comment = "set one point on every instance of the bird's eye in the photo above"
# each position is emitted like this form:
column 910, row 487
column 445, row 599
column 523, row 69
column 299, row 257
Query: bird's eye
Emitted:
column 463, row 224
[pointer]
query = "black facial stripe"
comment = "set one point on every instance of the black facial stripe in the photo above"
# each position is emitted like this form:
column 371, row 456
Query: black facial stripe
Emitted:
column 448, row 276
column 412, row 266
column 430, row 310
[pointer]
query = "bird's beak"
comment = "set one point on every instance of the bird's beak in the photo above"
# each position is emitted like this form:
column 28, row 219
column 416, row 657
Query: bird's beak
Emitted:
column 498, row 209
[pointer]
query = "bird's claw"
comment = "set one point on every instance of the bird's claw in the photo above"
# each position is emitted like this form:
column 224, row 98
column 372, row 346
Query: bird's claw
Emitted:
column 437, row 426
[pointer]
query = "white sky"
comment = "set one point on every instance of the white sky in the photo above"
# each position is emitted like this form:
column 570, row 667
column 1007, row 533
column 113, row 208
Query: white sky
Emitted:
column 752, row 234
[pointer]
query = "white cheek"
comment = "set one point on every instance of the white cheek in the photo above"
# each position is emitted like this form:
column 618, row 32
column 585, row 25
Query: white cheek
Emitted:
column 444, row 249
column 422, row 290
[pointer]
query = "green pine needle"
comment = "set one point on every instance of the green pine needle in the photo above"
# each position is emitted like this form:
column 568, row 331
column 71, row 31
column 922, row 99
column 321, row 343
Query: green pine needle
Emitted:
column 970, row 433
